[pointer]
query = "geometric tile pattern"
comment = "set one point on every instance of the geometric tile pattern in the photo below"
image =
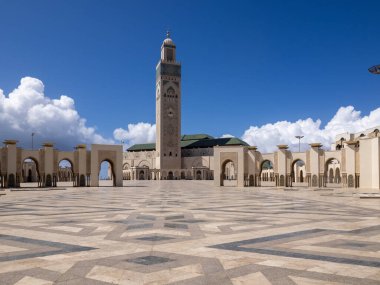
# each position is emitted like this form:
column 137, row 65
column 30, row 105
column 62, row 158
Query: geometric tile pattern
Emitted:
column 31, row 248
column 188, row 232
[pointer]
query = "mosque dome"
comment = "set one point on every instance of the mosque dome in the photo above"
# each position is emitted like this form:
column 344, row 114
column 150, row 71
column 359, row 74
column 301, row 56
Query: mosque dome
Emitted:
column 168, row 40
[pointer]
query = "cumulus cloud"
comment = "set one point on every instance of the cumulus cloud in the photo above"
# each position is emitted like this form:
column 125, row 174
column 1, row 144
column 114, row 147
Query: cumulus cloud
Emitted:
column 136, row 133
column 346, row 119
column 227, row 136
column 26, row 109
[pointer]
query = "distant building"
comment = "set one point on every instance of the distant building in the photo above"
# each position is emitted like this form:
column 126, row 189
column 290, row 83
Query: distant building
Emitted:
column 173, row 156
column 196, row 157
column 352, row 162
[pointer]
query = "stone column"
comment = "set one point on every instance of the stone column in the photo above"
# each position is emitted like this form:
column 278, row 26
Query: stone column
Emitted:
column 350, row 160
column 217, row 174
column 48, row 154
column 11, row 163
column 314, row 163
column 281, row 164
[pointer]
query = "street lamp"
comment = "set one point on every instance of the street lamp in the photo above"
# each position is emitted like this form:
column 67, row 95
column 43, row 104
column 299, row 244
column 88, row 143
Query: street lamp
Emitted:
column 341, row 142
column 33, row 140
column 299, row 142
column 374, row 69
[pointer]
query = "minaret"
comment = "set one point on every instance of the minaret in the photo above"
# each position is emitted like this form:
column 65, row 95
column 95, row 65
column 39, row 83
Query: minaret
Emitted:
column 168, row 109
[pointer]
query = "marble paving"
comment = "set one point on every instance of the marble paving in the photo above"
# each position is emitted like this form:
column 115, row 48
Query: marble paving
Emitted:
column 188, row 232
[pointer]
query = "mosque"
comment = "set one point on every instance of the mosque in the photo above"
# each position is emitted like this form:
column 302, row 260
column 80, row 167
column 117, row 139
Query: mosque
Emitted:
column 231, row 161
column 352, row 162
column 174, row 156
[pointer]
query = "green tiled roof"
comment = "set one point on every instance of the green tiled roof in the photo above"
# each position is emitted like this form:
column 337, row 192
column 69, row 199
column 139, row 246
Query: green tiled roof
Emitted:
column 190, row 141
column 211, row 143
column 196, row 137
column 143, row 146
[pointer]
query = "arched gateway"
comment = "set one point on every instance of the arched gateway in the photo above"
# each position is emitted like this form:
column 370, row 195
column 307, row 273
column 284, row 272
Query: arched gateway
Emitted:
column 316, row 167
column 44, row 168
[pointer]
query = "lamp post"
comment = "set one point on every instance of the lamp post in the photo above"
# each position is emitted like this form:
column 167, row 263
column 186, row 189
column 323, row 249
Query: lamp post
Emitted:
column 299, row 142
column 122, row 143
column 374, row 69
column 33, row 140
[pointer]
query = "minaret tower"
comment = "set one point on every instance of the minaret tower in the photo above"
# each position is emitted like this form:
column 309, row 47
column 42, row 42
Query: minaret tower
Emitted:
column 168, row 109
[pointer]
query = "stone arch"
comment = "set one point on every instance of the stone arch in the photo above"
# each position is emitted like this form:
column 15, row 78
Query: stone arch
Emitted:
column 228, row 171
column 170, row 175
column 144, row 163
column 65, row 174
column 197, row 162
column 332, row 177
column 170, row 91
column 141, row 175
column 126, row 171
column 314, row 181
column 267, row 170
column 26, row 171
column 113, row 154
column 112, row 166
column 198, row 175
column 183, row 175
column 298, row 167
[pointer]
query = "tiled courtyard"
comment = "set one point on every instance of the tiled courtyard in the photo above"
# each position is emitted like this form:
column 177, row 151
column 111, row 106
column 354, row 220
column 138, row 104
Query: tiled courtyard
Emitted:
column 188, row 232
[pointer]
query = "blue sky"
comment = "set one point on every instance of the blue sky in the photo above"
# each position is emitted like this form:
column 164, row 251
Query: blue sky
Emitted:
column 244, row 63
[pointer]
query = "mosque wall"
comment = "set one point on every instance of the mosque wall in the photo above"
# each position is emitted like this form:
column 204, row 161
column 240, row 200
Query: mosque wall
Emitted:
column 356, row 164
column 85, row 164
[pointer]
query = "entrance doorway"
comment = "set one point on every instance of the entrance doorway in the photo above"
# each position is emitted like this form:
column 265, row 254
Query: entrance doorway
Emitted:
column 65, row 173
column 106, row 174
column 30, row 173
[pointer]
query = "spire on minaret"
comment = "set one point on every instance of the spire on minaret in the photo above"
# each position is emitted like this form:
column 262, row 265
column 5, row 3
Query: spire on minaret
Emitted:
column 168, row 48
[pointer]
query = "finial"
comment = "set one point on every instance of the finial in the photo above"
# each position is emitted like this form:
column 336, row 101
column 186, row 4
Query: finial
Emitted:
column 167, row 34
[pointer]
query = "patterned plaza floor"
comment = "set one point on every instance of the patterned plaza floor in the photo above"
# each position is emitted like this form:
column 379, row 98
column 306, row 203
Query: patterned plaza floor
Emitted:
column 188, row 232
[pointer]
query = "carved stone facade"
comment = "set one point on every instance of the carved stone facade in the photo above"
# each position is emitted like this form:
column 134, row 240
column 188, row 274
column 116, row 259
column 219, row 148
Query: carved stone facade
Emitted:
column 173, row 156
column 85, row 164
column 353, row 162
column 168, row 109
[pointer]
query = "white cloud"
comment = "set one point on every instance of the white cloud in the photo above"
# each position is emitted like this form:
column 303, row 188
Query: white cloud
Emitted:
column 346, row 119
column 136, row 133
column 26, row 109
column 227, row 136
